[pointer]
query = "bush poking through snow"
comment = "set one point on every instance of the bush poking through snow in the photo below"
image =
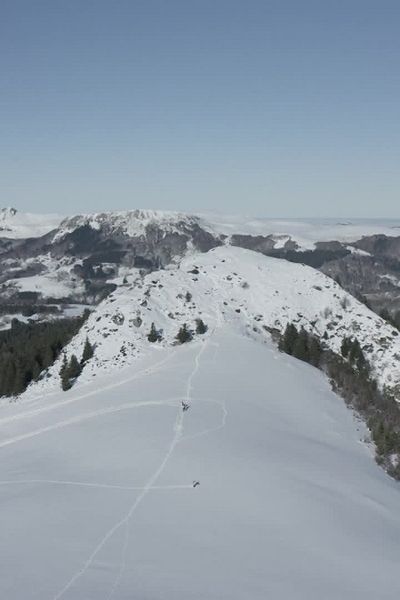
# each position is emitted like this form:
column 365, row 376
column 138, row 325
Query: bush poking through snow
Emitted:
column 154, row 335
column 184, row 334
column 201, row 327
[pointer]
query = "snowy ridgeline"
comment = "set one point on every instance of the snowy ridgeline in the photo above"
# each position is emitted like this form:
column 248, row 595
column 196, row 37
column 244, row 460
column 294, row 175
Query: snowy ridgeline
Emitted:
column 97, row 496
column 304, row 232
column 251, row 292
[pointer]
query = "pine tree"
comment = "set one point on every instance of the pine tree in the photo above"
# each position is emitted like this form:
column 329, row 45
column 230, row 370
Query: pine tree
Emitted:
column 315, row 351
column 74, row 368
column 88, row 351
column 355, row 352
column 345, row 347
column 201, row 327
column 154, row 335
column 288, row 340
column 65, row 382
column 184, row 334
column 300, row 346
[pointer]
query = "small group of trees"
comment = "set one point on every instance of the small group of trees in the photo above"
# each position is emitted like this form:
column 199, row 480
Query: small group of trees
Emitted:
column 301, row 345
column 352, row 351
column 72, row 368
column 184, row 335
column 350, row 376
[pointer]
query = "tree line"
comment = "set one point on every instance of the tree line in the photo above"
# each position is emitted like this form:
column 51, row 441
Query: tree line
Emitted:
column 185, row 333
column 350, row 376
column 28, row 349
column 72, row 368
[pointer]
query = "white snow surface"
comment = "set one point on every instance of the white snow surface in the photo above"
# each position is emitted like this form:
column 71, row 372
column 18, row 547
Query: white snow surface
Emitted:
column 46, row 284
column 231, row 285
column 96, row 485
column 14, row 224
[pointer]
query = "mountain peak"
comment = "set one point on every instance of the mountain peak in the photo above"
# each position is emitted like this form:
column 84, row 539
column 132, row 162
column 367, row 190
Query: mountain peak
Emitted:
column 7, row 212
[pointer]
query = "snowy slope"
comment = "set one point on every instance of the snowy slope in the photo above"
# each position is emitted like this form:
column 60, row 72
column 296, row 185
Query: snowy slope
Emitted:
column 14, row 224
column 97, row 499
column 249, row 291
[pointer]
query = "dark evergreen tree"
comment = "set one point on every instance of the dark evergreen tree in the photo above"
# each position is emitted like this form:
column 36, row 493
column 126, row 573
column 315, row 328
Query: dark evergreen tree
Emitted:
column 188, row 296
column 153, row 335
column 65, row 381
column 288, row 339
column 314, row 351
column 201, row 327
column 300, row 346
column 74, row 368
column 345, row 347
column 88, row 351
column 184, row 334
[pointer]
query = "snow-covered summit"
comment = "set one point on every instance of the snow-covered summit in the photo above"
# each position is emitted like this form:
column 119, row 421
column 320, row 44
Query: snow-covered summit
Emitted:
column 235, row 288
column 304, row 233
column 131, row 223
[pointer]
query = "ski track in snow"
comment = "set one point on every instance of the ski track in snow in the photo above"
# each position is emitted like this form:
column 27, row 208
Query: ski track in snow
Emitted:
column 125, row 520
column 93, row 484
column 90, row 415
column 44, row 409
column 177, row 438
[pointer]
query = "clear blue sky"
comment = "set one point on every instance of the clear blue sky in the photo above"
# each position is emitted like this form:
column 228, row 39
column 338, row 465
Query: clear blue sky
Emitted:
column 271, row 108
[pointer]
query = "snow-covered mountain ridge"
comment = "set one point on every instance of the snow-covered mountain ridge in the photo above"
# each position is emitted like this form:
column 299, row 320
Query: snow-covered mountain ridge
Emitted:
column 303, row 232
column 131, row 223
column 82, row 258
column 243, row 290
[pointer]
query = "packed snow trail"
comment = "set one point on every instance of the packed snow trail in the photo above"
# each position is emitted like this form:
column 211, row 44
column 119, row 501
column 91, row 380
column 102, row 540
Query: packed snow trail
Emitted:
column 90, row 484
column 178, row 428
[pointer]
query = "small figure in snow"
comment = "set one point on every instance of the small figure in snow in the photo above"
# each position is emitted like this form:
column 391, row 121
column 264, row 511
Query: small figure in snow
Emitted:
column 185, row 406
column 196, row 483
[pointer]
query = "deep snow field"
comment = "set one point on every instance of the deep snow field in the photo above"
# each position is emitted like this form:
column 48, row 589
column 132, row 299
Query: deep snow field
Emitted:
column 96, row 496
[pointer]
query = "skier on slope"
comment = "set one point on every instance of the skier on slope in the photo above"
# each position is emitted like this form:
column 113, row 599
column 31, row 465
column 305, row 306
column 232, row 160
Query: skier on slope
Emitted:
column 196, row 483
